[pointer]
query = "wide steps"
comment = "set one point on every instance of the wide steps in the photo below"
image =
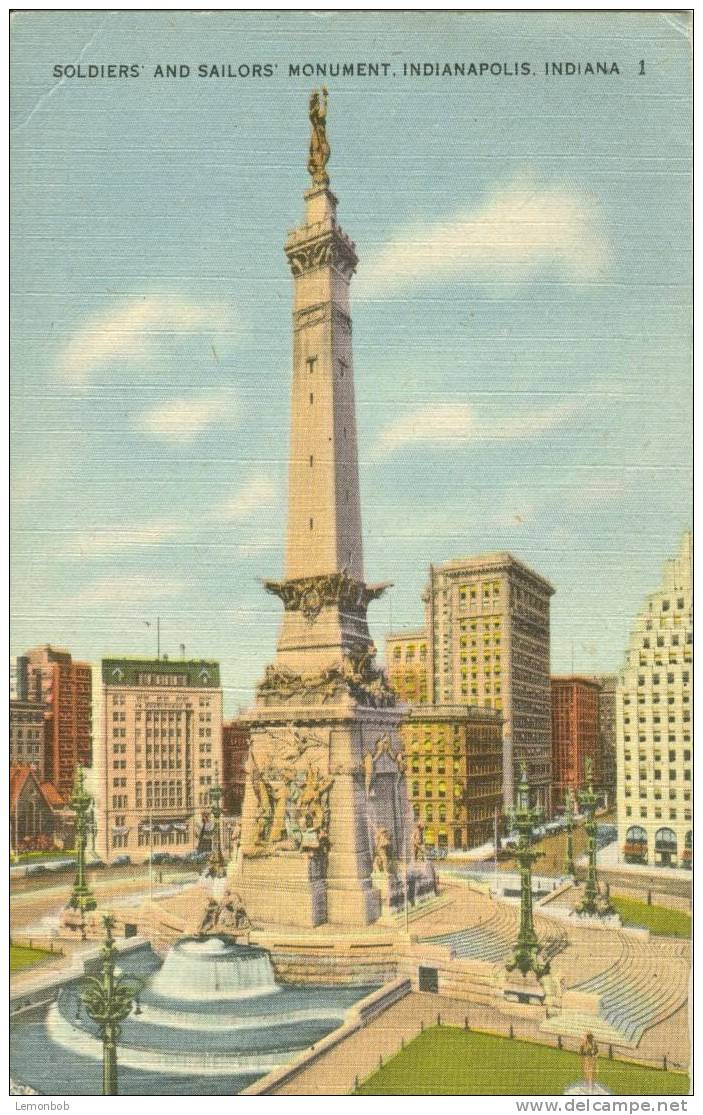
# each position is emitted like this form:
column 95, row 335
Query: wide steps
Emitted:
column 576, row 1024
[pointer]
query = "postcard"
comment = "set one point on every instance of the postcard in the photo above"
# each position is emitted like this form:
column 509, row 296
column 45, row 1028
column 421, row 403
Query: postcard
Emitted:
column 350, row 689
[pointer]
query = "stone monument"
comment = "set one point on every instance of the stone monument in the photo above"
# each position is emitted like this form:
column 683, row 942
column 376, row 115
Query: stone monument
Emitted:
column 325, row 782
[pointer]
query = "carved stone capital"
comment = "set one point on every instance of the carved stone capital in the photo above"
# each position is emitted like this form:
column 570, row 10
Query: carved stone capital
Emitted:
column 310, row 595
column 328, row 247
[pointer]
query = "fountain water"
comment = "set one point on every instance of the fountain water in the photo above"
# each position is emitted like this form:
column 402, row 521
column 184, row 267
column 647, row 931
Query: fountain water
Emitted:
column 206, row 968
column 211, row 1019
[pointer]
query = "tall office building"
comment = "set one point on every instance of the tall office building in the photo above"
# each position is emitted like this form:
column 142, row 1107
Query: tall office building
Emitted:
column 487, row 622
column 159, row 754
column 607, row 767
column 575, row 735
column 235, row 751
column 64, row 687
column 27, row 736
column 653, row 715
column 407, row 665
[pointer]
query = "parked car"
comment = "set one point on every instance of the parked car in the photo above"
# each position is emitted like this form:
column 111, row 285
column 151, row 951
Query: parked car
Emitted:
column 37, row 869
column 121, row 861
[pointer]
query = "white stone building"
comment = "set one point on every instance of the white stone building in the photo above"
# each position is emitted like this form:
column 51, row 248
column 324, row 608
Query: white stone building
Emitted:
column 654, row 788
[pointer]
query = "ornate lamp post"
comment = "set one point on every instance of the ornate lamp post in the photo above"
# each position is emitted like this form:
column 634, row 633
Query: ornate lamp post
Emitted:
column 592, row 904
column 108, row 999
column 526, row 956
column 569, row 868
column 82, row 897
column 217, row 866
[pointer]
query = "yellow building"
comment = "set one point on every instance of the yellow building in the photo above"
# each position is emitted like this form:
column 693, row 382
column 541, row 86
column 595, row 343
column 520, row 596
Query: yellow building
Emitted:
column 407, row 665
column 455, row 773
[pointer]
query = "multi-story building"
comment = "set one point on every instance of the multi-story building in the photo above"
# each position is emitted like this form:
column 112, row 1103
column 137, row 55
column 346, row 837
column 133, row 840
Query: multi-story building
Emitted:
column 407, row 665
column 65, row 689
column 235, row 749
column 159, row 728
column 487, row 623
column 454, row 758
column 607, row 780
column 575, row 735
column 18, row 678
column 27, row 736
column 653, row 715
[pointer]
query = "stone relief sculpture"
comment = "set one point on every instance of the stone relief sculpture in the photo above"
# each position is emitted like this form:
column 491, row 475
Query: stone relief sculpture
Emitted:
column 418, row 844
column 356, row 675
column 293, row 802
column 382, row 846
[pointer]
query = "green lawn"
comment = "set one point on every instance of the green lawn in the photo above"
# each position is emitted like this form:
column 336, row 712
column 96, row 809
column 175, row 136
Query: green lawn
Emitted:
column 21, row 957
column 658, row 919
column 39, row 857
column 448, row 1061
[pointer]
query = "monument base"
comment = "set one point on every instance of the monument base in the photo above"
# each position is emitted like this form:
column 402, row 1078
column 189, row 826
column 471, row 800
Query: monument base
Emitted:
column 287, row 888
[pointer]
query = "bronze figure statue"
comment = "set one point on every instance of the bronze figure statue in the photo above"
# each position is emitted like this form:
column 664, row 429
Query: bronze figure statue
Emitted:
column 319, row 147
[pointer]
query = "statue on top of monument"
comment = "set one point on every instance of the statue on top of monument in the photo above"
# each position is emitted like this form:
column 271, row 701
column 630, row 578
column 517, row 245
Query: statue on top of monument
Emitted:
column 319, row 147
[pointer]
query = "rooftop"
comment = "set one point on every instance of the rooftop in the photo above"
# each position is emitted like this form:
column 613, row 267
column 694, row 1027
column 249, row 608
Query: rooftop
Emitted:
column 501, row 560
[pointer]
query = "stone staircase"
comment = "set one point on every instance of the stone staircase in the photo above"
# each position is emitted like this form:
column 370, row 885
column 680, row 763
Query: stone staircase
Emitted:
column 646, row 984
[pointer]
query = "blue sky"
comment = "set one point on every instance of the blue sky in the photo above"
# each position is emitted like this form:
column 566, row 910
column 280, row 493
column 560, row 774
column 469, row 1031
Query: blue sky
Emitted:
column 521, row 318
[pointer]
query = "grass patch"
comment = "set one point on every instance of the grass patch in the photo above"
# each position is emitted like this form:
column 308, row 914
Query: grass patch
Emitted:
column 38, row 857
column 658, row 919
column 22, row 957
column 448, row 1061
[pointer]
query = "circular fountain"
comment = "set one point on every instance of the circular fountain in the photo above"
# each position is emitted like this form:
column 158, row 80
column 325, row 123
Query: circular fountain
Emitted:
column 209, row 1020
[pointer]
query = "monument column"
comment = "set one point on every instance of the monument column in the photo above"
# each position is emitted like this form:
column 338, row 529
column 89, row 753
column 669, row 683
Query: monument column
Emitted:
column 325, row 719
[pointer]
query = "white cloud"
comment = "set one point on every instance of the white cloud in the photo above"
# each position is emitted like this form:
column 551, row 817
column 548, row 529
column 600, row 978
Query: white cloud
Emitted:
column 181, row 420
column 439, row 424
column 522, row 228
column 257, row 492
column 98, row 541
column 130, row 332
column 447, row 424
column 128, row 590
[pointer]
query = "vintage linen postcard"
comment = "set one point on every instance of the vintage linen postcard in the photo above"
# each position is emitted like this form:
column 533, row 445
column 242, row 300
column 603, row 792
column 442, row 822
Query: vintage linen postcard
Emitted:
column 350, row 689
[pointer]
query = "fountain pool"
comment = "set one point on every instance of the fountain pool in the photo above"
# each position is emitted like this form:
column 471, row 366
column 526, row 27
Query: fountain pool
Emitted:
column 210, row 1020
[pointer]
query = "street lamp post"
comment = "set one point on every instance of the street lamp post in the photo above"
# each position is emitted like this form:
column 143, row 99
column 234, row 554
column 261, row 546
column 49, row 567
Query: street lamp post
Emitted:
column 108, row 999
column 526, row 955
column 592, row 904
column 569, row 868
column 217, row 866
column 82, row 897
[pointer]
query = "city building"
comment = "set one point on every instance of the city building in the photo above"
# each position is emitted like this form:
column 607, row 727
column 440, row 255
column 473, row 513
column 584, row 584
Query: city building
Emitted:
column 64, row 687
column 487, row 630
column 653, row 717
column 454, row 756
column 235, row 749
column 607, row 767
column 18, row 678
column 159, row 753
column 37, row 812
column 575, row 735
column 407, row 665
column 27, row 736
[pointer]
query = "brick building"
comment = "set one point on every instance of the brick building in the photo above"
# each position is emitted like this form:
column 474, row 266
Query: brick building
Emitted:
column 235, row 749
column 64, row 687
column 407, row 665
column 575, row 734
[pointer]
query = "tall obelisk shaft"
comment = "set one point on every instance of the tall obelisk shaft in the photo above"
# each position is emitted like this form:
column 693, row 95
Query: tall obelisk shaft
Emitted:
column 323, row 589
column 324, row 518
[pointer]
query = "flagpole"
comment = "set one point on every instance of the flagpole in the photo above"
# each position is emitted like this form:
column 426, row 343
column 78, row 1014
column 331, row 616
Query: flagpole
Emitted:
column 495, row 847
column 158, row 637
